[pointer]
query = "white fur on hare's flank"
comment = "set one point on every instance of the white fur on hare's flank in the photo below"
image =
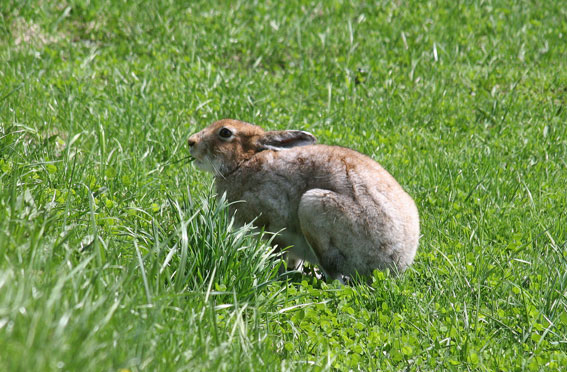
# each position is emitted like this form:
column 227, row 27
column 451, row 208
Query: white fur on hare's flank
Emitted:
column 337, row 208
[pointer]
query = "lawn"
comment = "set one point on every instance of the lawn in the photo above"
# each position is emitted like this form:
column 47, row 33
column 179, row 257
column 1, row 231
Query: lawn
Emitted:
column 115, row 253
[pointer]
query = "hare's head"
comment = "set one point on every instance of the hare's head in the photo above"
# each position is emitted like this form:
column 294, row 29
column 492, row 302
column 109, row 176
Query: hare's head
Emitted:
column 224, row 145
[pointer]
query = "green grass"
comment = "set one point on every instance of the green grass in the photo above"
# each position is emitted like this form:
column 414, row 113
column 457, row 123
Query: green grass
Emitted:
column 115, row 254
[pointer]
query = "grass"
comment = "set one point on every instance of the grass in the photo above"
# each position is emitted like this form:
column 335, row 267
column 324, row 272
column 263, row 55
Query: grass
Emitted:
column 115, row 253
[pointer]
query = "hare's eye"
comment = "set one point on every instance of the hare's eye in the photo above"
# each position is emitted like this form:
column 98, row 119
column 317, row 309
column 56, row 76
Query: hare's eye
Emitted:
column 225, row 133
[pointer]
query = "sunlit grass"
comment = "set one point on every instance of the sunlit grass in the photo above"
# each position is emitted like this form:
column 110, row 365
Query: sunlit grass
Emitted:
column 115, row 253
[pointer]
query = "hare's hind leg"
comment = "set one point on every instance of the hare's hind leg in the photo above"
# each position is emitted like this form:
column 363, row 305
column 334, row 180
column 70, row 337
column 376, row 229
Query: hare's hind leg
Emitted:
column 329, row 225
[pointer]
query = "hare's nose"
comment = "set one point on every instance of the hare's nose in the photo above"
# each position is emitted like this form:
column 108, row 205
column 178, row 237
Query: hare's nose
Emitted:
column 191, row 142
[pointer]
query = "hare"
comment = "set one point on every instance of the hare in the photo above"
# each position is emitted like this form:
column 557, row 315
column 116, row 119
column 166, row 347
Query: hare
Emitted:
column 334, row 207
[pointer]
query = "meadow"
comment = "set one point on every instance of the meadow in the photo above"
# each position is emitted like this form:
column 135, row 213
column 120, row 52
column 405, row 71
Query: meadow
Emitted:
column 116, row 254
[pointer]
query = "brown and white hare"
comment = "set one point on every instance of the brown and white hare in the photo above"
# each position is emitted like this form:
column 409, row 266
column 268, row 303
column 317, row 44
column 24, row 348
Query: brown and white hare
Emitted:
column 335, row 207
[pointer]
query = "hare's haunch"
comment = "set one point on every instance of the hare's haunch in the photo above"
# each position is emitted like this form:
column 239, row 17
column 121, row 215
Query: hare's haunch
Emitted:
column 337, row 208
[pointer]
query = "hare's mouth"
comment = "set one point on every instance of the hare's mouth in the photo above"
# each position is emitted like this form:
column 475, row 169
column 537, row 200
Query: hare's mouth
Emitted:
column 197, row 159
column 204, row 165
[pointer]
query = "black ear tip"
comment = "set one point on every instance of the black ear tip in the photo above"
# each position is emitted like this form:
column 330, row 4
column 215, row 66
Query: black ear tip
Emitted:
column 310, row 136
column 306, row 137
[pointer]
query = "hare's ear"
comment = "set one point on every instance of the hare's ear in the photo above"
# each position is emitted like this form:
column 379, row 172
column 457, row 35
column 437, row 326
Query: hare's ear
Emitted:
column 285, row 139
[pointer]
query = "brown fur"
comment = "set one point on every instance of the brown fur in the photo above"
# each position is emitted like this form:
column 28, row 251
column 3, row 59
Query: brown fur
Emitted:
column 337, row 208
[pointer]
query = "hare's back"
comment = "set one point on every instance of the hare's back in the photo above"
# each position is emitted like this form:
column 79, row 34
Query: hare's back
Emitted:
column 333, row 166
